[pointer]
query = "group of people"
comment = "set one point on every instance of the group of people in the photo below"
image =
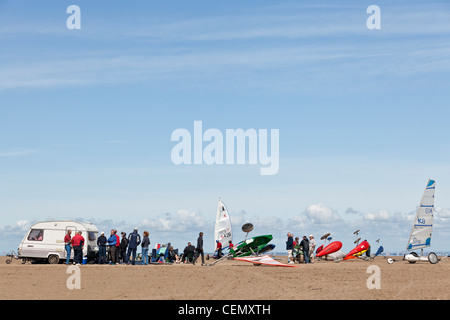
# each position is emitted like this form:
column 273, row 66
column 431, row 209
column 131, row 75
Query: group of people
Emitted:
column 305, row 247
column 122, row 249
column 76, row 243
column 191, row 253
column 115, row 249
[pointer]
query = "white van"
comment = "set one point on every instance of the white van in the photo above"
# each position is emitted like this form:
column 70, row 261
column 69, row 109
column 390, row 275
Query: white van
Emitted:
column 45, row 241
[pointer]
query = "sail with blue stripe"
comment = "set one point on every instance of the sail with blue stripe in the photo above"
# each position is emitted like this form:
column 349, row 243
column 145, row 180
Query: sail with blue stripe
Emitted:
column 423, row 222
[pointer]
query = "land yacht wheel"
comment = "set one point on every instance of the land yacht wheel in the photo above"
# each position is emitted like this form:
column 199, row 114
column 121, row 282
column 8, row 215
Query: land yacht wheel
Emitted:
column 415, row 255
column 432, row 257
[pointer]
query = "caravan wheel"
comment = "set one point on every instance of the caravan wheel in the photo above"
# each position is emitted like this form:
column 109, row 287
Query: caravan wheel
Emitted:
column 53, row 259
column 432, row 257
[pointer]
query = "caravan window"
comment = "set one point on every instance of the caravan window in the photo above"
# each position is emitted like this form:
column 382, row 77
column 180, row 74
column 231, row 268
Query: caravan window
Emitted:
column 91, row 236
column 36, row 235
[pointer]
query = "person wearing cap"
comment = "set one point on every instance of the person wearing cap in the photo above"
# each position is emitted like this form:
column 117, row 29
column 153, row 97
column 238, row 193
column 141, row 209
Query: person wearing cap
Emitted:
column 101, row 243
column 134, row 240
column 112, row 241
column 312, row 248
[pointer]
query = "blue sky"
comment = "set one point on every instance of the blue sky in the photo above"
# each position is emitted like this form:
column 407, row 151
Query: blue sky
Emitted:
column 87, row 115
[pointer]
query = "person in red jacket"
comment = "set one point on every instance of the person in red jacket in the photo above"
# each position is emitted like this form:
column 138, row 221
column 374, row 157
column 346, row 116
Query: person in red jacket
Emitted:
column 77, row 244
column 117, row 245
column 219, row 249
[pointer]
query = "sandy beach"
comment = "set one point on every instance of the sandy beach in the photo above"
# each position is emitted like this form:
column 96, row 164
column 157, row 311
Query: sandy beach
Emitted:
column 229, row 280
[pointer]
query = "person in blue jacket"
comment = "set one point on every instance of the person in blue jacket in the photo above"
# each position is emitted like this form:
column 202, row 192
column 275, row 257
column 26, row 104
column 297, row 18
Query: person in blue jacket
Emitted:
column 134, row 239
column 112, row 241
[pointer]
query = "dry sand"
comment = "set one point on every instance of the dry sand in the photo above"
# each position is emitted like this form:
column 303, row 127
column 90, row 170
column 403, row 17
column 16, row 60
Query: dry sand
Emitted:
column 233, row 280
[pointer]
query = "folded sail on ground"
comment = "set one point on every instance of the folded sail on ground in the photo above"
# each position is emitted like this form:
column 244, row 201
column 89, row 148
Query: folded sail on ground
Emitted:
column 265, row 260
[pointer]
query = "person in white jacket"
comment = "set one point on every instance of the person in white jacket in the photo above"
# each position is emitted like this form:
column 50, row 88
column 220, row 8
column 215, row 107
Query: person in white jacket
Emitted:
column 312, row 247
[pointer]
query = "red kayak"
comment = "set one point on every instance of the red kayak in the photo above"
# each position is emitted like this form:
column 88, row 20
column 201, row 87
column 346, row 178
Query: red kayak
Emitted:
column 319, row 249
column 332, row 247
column 363, row 246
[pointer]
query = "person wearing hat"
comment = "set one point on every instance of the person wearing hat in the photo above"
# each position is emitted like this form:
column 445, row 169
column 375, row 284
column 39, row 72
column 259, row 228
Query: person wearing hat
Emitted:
column 101, row 243
column 134, row 240
column 312, row 248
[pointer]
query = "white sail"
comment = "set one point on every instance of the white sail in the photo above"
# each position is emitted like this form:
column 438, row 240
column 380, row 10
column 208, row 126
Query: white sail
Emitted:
column 222, row 230
column 423, row 222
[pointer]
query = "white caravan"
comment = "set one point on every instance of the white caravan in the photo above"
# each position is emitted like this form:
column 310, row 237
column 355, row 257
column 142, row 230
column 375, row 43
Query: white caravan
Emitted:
column 45, row 240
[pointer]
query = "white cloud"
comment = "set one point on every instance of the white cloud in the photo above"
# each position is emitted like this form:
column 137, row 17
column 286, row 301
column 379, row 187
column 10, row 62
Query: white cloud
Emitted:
column 443, row 213
column 321, row 214
column 381, row 215
column 183, row 226
column 295, row 64
column 16, row 152
column 181, row 221
column 350, row 210
column 23, row 224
